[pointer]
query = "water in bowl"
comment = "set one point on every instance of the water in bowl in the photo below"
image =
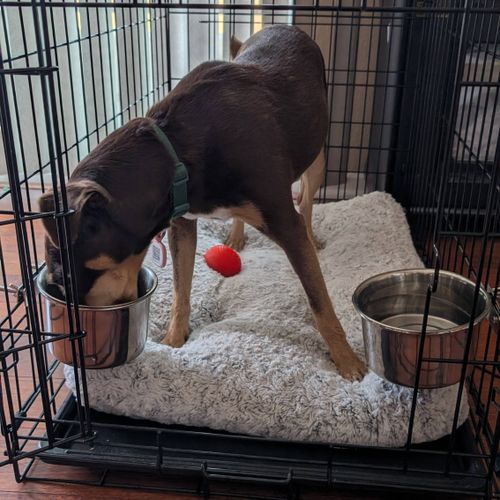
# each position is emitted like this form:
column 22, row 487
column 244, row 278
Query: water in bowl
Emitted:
column 414, row 322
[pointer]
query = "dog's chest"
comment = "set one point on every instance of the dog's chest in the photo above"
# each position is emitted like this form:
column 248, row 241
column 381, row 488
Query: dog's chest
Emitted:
column 218, row 213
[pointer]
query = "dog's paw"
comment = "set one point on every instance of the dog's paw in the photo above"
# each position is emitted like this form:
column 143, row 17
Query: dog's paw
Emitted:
column 348, row 364
column 175, row 338
column 173, row 341
column 237, row 243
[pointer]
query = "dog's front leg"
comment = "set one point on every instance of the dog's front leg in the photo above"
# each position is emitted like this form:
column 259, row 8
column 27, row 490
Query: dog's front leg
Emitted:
column 182, row 243
column 289, row 230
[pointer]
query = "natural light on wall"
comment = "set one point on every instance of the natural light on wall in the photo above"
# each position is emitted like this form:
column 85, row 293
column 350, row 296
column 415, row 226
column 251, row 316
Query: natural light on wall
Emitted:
column 257, row 18
column 113, row 19
column 220, row 34
column 79, row 19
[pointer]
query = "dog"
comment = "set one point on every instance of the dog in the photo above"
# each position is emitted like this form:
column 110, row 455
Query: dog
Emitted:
column 245, row 131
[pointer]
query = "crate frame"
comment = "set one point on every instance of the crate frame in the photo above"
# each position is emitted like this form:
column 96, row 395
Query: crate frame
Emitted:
column 452, row 228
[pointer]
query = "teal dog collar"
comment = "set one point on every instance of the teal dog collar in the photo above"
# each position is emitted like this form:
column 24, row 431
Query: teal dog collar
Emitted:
column 178, row 194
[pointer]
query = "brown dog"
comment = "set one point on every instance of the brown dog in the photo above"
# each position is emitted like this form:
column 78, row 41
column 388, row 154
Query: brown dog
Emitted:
column 245, row 130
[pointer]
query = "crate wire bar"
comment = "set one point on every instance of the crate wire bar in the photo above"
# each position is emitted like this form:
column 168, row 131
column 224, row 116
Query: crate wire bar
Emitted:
column 413, row 90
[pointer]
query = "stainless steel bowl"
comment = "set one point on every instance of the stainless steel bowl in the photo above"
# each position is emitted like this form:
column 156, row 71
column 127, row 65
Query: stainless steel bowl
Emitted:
column 114, row 334
column 391, row 306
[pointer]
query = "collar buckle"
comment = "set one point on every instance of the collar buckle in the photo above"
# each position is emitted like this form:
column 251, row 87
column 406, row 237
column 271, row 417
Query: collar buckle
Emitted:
column 178, row 193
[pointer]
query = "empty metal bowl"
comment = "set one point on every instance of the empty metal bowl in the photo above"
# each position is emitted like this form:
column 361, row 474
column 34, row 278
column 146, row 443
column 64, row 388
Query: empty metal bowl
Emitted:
column 114, row 334
column 392, row 305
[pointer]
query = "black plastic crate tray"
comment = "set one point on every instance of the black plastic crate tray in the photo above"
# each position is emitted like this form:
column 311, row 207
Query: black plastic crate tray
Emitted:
column 125, row 444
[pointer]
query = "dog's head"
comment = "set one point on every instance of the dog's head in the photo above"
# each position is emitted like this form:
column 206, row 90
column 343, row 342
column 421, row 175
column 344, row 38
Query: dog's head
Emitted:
column 119, row 199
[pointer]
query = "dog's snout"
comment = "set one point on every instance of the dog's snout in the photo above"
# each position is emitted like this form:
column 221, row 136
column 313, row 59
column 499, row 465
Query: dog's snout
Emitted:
column 116, row 285
column 55, row 289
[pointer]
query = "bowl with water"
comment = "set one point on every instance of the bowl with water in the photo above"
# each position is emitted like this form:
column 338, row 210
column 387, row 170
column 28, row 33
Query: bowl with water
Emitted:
column 392, row 305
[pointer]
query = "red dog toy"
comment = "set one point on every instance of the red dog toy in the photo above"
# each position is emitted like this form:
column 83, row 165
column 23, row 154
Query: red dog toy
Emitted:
column 224, row 260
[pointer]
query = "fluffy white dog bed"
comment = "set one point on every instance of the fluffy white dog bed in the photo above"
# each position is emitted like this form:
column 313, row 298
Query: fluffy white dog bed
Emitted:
column 254, row 362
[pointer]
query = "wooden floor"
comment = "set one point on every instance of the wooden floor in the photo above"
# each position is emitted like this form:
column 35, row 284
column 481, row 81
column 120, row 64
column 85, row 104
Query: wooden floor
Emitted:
column 35, row 490
column 9, row 489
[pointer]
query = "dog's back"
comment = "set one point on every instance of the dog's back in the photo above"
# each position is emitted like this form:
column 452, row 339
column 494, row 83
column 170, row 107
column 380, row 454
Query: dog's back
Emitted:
column 283, row 51
column 293, row 68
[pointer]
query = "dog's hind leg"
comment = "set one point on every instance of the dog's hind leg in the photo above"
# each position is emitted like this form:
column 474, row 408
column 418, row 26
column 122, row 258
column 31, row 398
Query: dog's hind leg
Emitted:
column 182, row 243
column 236, row 237
column 311, row 181
column 289, row 230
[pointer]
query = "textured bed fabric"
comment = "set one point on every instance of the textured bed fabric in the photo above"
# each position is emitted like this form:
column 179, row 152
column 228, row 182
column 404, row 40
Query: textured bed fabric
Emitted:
column 255, row 364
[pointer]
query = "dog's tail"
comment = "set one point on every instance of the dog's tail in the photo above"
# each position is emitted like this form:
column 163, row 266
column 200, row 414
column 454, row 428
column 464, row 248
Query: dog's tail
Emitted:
column 324, row 70
column 298, row 196
column 234, row 46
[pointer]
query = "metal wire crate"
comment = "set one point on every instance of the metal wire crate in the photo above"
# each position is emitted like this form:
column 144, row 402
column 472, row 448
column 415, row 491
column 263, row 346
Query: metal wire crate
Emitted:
column 413, row 89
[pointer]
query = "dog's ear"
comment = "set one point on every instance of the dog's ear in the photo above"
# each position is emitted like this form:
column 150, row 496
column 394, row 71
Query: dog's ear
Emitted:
column 81, row 194
column 234, row 46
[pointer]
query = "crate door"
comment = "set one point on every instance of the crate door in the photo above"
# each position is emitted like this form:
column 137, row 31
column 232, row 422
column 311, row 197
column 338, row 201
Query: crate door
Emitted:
column 34, row 157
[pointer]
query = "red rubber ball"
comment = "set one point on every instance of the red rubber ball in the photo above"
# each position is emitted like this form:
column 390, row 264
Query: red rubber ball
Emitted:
column 224, row 260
